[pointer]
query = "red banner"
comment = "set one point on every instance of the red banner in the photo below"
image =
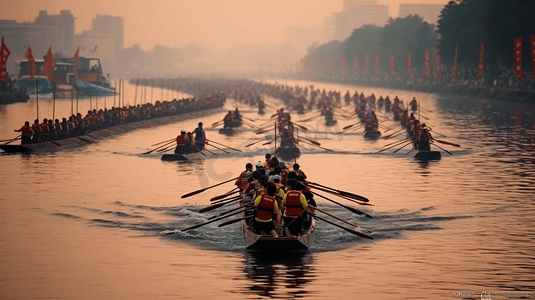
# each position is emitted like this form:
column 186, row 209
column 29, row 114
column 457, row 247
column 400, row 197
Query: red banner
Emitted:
column 377, row 67
column 4, row 55
column 356, row 65
column 518, row 57
column 532, row 41
column 75, row 61
column 31, row 61
column 409, row 63
column 481, row 63
column 50, row 62
column 455, row 70
column 437, row 64
column 366, row 64
column 427, row 67
column 343, row 66
column 392, row 64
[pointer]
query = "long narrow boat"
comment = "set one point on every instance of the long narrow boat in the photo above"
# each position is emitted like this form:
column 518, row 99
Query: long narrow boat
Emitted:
column 55, row 145
column 428, row 155
column 181, row 157
column 255, row 241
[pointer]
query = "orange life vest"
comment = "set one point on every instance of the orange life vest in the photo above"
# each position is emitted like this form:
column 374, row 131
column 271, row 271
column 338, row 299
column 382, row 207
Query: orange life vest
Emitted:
column 36, row 128
column 293, row 203
column 265, row 207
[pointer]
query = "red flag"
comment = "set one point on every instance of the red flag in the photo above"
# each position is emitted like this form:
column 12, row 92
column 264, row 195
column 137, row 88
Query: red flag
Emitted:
column 31, row 61
column 427, row 67
column 437, row 64
column 518, row 57
column 50, row 62
column 75, row 60
column 343, row 66
column 409, row 63
column 532, row 40
column 481, row 63
column 377, row 67
column 356, row 65
column 366, row 64
column 392, row 64
column 455, row 70
column 4, row 55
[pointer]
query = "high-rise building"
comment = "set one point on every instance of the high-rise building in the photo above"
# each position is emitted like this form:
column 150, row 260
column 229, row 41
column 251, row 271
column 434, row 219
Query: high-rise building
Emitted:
column 429, row 12
column 56, row 31
column 300, row 38
column 354, row 14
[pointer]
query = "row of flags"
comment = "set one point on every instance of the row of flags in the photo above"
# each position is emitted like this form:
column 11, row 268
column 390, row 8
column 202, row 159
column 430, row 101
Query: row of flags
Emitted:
column 48, row 67
column 327, row 65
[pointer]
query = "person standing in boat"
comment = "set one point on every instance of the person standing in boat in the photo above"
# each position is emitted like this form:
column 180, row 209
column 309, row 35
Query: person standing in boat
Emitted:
column 295, row 204
column 26, row 133
column 181, row 142
column 200, row 137
column 266, row 207
column 424, row 139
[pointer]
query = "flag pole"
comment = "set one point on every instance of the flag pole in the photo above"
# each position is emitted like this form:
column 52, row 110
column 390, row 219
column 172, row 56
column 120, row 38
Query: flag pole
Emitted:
column 37, row 96
column 54, row 101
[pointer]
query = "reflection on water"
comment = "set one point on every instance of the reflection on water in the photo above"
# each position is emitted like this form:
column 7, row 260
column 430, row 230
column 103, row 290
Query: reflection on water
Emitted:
column 278, row 275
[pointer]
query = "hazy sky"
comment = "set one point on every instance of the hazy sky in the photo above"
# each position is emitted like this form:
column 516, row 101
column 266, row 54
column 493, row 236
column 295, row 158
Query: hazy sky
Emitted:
column 215, row 23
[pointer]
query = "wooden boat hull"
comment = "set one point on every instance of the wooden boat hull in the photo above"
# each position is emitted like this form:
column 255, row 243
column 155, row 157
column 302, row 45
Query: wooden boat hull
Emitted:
column 428, row 155
column 331, row 122
column 372, row 134
column 288, row 152
column 56, row 145
column 269, row 243
column 228, row 131
column 182, row 157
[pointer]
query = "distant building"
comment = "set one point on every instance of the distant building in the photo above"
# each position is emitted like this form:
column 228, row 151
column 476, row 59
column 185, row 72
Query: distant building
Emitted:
column 429, row 12
column 56, row 31
column 105, row 40
column 300, row 38
column 354, row 14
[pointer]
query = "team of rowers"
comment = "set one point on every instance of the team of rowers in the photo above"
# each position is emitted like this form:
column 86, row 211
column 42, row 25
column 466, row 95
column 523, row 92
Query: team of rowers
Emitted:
column 280, row 196
column 76, row 125
column 187, row 143
column 232, row 119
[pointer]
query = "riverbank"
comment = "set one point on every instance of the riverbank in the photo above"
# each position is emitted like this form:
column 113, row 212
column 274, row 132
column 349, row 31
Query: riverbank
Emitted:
column 513, row 95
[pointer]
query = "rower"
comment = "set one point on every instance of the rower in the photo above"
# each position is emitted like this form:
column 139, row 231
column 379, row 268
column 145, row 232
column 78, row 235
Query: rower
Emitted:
column 26, row 133
column 299, row 172
column 424, row 138
column 268, row 159
column 266, row 207
column 181, row 142
column 295, row 204
column 200, row 137
column 242, row 180
column 227, row 120
column 36, row 131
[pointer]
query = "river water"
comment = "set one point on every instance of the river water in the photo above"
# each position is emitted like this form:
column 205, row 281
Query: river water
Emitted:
column 86, row 223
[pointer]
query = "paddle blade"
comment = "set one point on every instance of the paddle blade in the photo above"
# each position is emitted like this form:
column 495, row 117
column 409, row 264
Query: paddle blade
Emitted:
column 193, row 193
column 211, row 207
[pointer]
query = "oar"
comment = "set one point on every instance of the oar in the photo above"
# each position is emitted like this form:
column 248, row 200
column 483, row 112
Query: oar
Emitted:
column 214, row 206
column 226, row 199
column 300, row 126
column 218, row 148
column 356, row 211
column 312, row 141
column 394, row 145
column 390, row 135
column 447, row 143
column 207, row 151
column 166, row 149
column 361, row 234
column 317, row 146
column 403, row 146
column 268, row 143
column 223, row 145
column 248, row 118
column 234, row 221
column 250, row 125
column 13, row 139
column 348, row 194
column 214, row 220
column 443, row 149
column 248, row 145
column 333, row 216
column 46, row 138
column 426, row 109
column 158, row 148
column 396, row 142
column 340, row 195
column 299, row 145
column 163, row 142
column 204, row 189
column 349, row 126
column 233, row 191
column 217, row 123
column 227, row 212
